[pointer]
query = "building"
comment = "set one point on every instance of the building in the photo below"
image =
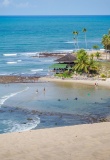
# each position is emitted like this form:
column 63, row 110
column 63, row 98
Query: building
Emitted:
column 64, row 63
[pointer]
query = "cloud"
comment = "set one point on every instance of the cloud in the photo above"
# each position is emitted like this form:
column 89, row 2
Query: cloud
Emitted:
column 6, row 2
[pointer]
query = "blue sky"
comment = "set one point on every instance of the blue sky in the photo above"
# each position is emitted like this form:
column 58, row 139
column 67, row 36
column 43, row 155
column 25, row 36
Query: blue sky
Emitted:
column 54, row 7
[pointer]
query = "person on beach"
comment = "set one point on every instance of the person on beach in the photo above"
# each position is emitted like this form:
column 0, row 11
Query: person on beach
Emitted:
column 37, row 91
column 44, row 89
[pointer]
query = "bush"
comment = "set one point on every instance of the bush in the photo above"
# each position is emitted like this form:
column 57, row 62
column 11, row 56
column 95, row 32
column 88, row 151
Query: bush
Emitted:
column 66, row 74
column 103, row 75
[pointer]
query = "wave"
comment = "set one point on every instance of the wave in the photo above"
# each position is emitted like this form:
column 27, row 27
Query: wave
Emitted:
column 15, row 126
column 69, row 42
column 36, row 70
column 19, row 60
column 30, row 53
column 64, row 51
column 8, row 55
column 11, row 62
column 4, row 98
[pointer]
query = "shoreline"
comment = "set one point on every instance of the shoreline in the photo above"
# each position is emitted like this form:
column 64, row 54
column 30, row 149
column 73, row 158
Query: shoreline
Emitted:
column 87, row 141
column 105, row 83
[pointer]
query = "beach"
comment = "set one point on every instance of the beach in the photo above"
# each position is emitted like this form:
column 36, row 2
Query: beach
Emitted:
column 43, row 116
column 88, row 142
column 99, row 82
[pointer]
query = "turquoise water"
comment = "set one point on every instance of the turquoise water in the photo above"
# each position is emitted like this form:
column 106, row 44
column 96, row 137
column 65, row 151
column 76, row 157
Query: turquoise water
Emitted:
column 22, row 37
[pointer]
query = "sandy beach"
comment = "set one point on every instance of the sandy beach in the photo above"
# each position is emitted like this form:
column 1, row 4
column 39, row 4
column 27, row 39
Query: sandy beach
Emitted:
column 88, row 142
column 105, row 83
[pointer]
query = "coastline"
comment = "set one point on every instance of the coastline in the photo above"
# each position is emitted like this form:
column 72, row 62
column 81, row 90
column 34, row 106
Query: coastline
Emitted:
column 88, row 141
column 105, row 83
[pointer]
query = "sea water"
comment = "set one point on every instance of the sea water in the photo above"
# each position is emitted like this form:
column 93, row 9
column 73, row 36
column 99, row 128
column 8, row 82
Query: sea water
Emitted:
column 22, row 108
column 21, row 37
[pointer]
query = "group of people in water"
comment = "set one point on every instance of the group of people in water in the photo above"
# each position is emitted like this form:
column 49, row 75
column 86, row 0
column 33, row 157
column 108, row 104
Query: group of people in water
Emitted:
column 37, row 90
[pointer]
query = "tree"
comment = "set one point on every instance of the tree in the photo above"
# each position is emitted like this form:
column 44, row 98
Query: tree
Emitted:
column 81, row 63
column 85, row 30
column 97, row 54
column 85, row 63
column 95, row 47
column 76, row 37
column 106, row 41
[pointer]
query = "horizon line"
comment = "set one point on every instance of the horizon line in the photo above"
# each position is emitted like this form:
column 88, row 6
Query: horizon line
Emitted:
column 57, row 15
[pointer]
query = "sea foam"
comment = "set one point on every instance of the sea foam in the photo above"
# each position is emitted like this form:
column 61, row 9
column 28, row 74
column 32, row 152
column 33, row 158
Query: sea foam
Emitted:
column 36, row 70
column 15, row 126
column 6, row 97
column 11, row 62
column 8, row 55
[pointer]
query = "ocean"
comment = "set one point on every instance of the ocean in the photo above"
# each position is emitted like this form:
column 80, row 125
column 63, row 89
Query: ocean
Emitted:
column 21, row 37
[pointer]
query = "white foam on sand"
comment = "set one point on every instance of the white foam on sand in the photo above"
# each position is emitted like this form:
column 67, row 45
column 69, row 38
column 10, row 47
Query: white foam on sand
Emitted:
column 6, row 97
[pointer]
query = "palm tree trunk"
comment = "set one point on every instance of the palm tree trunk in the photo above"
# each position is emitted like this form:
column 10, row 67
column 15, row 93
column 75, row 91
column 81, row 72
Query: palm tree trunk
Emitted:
column 85, row 41
column 77, row 43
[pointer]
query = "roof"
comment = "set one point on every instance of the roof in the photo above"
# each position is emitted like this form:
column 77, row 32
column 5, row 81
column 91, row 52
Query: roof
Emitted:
column 67, row 58
column 58, row 65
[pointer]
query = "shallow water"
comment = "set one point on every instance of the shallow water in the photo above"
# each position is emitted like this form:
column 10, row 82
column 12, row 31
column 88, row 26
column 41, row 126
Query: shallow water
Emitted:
column 61, row 104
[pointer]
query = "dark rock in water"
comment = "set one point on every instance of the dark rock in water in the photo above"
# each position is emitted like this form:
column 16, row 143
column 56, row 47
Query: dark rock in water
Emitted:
column 55, row 123
column 76, row 98
column 24, row 123
column 59, row 100
column 103, row 120
column 11, row 111
column 1, row 111
column 29, row 119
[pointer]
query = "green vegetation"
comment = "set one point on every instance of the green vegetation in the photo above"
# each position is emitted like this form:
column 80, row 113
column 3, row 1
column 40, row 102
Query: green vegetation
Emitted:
column 106, row 41
column 95, row 47
column 97, row 55
column 104, row 69
column 65, row 74
column 85, row 63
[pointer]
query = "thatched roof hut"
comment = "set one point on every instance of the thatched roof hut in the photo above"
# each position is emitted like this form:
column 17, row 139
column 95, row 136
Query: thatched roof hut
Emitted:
column 68, row 58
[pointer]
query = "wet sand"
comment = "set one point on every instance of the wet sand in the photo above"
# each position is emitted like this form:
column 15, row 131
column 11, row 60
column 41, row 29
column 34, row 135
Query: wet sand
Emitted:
column 88, row 142
column 105, row 83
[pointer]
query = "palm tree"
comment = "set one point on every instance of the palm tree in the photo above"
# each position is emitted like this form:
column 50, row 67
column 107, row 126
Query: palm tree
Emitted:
column 85, row 30
column 85, row 63
column 97, row 54
column 81, row 63
column 75, row 42
column 95, row 47
column 76, row 37
column 106, row 41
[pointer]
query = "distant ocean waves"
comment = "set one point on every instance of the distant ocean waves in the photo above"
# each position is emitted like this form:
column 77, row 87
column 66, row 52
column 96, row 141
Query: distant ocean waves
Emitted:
column 25, row 63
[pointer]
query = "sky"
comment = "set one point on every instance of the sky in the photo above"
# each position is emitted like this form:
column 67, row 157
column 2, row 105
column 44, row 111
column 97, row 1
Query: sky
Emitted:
column 54, row 7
